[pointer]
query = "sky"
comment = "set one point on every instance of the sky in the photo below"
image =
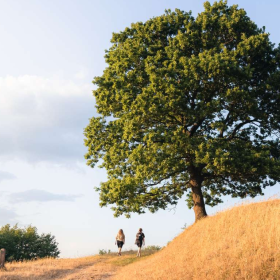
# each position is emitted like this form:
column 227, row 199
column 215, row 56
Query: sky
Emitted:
column 50, row 50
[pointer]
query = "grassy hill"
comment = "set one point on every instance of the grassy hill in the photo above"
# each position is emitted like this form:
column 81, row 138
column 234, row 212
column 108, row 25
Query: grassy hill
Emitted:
column 240, row 243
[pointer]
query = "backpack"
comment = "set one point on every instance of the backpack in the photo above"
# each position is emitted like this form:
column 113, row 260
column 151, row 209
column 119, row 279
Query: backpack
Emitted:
column 139, row 236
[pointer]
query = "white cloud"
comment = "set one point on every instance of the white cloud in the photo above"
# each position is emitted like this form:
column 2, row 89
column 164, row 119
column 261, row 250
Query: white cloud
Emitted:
column 42, row 119
column 40, row 196
column 82, row 74
column 6, row 176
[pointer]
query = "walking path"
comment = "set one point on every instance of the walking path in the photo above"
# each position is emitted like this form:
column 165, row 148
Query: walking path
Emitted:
column 87, row 268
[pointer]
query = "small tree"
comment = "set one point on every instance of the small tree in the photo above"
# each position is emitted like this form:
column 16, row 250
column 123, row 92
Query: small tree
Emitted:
column 187, row 105
column 26, row 243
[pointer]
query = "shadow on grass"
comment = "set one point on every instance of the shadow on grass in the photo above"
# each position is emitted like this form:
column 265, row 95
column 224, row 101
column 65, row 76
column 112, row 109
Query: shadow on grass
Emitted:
column 129, row 257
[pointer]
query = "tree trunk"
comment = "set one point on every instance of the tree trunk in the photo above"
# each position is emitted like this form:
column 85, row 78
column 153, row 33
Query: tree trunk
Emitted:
column 199, row 205
column 2, row 258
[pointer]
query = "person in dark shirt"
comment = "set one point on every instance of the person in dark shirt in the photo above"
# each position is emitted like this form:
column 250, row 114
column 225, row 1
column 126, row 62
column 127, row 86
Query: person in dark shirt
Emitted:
column 140, row 240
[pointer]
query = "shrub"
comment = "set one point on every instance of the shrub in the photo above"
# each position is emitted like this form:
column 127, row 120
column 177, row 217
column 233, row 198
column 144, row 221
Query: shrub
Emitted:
column 153, row 248
column 184, row 226
column 104, row 252
column 26, row 243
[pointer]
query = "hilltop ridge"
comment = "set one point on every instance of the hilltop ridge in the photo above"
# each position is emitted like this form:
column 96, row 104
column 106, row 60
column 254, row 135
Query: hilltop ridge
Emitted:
column 240, row 243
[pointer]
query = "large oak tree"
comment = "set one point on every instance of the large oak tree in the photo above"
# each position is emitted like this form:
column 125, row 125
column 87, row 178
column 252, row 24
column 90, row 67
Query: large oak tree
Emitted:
column 187, row 106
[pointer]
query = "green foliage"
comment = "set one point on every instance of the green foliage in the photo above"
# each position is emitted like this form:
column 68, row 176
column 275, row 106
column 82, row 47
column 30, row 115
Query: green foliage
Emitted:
column 184, row 226
column 104, row 252
column 26, row 243
column 153, row 247
column 187, row 102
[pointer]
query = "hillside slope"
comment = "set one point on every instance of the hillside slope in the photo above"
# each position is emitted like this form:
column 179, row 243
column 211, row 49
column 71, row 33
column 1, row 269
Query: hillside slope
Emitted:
column 240, row 243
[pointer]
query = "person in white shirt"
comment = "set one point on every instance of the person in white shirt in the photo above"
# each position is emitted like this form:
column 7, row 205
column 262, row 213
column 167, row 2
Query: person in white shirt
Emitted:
column 120, row 240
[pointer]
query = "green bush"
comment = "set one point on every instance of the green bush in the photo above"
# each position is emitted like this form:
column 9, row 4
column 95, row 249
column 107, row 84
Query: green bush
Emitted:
column 153, row 248
column 184, row 226
column 26, row 243
column 104, row 252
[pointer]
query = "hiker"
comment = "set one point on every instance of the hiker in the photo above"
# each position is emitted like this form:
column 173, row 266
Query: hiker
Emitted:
column 120, row 240
column 140, row 240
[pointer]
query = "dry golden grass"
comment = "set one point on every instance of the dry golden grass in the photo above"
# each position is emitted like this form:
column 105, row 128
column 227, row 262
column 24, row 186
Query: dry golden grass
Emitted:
column 65, row 269
column 93, row 268
column 240, row 243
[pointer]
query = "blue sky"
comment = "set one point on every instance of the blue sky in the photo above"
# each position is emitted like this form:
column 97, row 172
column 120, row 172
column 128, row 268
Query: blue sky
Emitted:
column 49, row 53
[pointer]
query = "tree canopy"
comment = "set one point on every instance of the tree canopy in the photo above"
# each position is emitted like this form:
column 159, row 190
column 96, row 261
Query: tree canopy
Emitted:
column 26, row 243
column 187, row 106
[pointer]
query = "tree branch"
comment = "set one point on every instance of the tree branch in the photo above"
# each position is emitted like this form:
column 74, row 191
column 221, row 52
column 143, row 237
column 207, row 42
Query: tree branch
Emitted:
column 238, row 127
column 195, row 127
